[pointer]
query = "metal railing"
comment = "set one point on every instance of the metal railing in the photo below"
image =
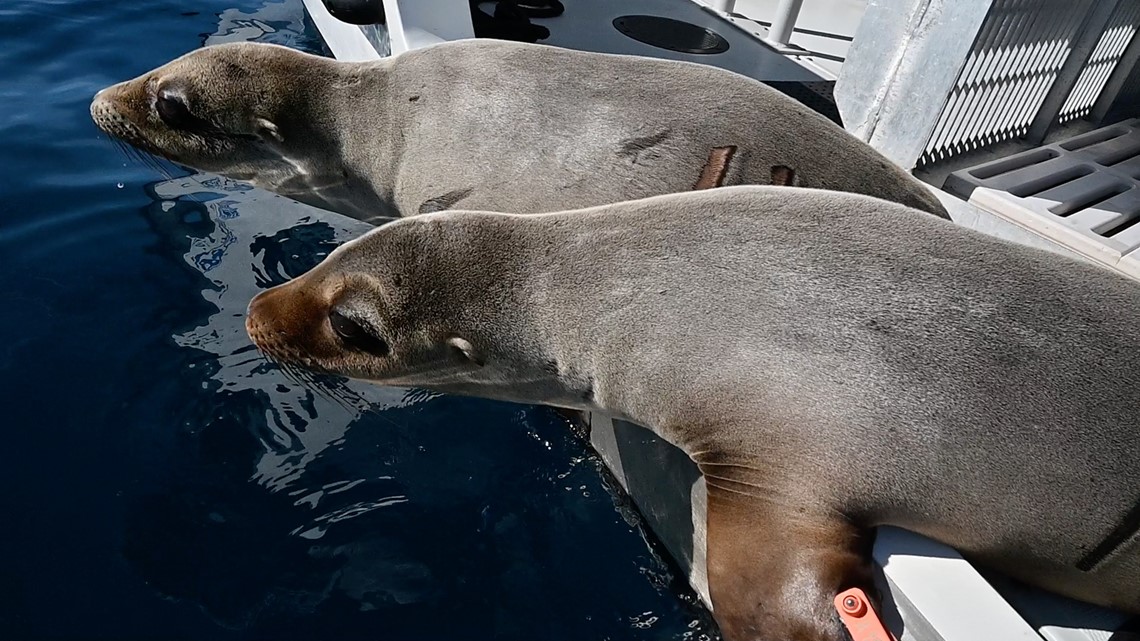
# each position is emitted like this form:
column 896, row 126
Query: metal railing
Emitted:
column 783, row 22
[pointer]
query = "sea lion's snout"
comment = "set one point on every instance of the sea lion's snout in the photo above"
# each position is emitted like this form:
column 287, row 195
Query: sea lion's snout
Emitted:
column 290, row 324
column 120, row 112
column 310, row 322
column 105, row 112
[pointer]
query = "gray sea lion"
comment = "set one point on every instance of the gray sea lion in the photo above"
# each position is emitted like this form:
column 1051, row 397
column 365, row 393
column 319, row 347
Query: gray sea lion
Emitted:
column 978, row 392
column 483, row 124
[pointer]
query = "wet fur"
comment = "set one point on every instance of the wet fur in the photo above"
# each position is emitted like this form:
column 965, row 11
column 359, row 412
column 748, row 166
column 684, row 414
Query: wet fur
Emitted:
column 513, row 127
column 825, row 381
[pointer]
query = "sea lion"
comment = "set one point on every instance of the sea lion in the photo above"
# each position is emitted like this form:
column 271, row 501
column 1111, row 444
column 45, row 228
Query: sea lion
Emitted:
column 825, row 381
column 482, row 124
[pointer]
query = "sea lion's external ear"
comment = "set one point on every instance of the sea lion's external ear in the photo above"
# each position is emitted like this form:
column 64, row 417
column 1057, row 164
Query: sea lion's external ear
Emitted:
column 467, row 349
column 268, row 130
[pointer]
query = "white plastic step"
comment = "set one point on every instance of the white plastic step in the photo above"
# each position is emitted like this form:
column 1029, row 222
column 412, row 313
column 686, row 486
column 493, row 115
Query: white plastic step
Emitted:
column 1083, row 193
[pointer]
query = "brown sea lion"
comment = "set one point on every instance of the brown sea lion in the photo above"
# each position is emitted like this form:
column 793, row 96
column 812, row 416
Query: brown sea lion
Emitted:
column 484, row 124
column 825, row 381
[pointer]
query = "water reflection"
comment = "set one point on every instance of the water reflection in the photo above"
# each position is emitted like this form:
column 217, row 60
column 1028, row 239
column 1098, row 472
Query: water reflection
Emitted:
column 282, row 23
column 350, row 497
column 283, row 240
column 344, row 510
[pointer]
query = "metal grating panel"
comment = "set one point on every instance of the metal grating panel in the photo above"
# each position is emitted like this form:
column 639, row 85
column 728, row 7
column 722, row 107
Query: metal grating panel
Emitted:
column 1109, row 49
column 1083, row 192
column 1018, row 54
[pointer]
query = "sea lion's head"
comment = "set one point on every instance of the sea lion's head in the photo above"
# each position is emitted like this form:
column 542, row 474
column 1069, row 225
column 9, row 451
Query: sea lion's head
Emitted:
column 242, row 110
column 408, row 305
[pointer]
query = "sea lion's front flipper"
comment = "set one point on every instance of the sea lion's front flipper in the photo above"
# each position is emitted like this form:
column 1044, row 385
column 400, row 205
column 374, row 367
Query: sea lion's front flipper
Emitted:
column 774, row 568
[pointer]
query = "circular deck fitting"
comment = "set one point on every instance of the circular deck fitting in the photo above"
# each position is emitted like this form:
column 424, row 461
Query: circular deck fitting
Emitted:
column 674, row 35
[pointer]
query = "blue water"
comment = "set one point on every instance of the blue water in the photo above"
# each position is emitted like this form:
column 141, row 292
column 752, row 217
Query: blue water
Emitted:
column 158, row 480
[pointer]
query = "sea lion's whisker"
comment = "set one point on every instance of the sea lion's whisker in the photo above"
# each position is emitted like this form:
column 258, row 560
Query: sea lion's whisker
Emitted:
column 339, row 394
column 335, row 391
column 309, row 380
column 344, row 395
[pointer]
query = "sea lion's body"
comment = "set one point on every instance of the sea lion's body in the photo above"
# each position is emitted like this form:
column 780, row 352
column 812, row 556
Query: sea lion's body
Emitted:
column 825, row 380
column 483, row 124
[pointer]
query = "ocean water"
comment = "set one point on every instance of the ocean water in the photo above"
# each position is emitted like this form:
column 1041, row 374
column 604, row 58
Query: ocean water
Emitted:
column 159, row 480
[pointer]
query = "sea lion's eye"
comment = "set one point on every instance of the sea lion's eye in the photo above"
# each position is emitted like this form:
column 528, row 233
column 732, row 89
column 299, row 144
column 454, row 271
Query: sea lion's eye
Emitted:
column 172, row 109
column 355, row 336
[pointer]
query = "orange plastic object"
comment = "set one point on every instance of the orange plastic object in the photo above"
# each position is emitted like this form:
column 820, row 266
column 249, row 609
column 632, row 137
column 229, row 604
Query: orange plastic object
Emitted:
column 860, row 618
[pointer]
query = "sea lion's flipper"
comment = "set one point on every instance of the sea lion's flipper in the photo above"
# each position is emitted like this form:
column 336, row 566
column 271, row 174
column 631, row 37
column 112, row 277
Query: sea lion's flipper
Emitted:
column 774, row 569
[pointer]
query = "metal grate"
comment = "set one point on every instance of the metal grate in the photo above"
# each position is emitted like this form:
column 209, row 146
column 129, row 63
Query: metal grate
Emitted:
column 1109, row 50
column 1016, row 57
column 1083, row 192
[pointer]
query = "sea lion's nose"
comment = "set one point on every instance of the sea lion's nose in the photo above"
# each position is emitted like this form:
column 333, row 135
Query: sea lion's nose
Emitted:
column 106, row 108
column 270, row 313
column 99, row 104
column 107, row 95
column 289, row 320
column 257, row 311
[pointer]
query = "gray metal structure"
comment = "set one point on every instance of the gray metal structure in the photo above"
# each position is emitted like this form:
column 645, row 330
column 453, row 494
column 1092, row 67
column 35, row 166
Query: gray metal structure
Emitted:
column 963, row 75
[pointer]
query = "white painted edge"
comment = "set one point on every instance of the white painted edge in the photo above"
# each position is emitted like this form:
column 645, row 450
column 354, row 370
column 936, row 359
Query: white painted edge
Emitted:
column 946, row 590
column 415, row 24
column 1000, row 204
column 346, row 41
